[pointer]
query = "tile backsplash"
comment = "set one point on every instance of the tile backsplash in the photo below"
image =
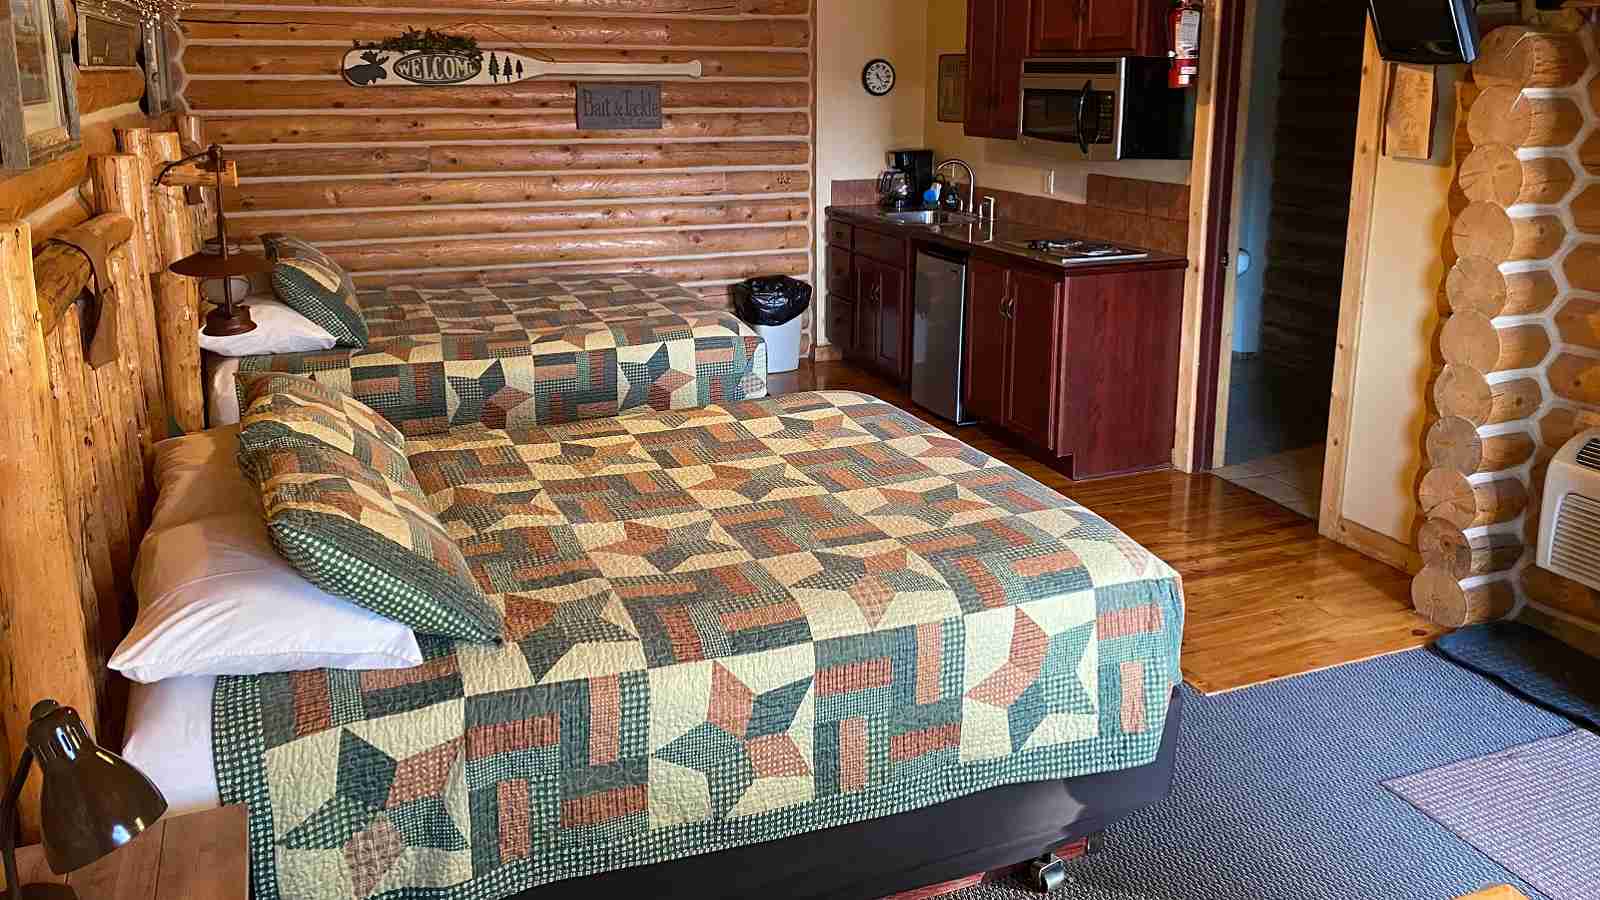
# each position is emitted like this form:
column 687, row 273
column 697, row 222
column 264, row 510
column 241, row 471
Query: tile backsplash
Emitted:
column 1149, row 214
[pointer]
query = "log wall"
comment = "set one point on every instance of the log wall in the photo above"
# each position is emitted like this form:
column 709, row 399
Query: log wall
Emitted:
column 437, row 185
column 1520, row 350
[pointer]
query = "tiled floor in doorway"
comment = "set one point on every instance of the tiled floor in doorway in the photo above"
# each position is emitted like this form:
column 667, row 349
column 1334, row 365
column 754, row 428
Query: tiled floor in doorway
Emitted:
column 1292, row 479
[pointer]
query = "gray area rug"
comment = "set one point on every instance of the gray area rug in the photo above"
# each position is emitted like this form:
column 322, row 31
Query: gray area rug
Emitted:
column 1534, row 809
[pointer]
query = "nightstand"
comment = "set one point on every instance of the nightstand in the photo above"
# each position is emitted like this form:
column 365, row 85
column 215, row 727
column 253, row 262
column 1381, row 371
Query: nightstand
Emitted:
column 201, row 856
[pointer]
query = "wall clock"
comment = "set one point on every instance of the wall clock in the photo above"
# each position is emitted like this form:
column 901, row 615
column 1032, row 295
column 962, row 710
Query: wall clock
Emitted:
column 878, row 77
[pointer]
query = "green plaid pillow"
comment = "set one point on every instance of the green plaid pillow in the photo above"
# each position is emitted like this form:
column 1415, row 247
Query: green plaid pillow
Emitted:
column 282, row 410
column 314, row 286
column 358, row 535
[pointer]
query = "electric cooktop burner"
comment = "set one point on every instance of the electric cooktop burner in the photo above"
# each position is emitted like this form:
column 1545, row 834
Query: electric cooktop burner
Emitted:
column 1070, row 249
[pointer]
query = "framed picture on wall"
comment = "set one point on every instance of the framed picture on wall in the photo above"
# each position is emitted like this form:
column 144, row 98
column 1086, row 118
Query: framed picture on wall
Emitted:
column 952, row 87
column 38, row 84
column 109, row 35
column 160, row 82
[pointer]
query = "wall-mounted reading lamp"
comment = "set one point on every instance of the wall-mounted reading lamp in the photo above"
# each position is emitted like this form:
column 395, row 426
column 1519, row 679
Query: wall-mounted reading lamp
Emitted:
column 230, row 318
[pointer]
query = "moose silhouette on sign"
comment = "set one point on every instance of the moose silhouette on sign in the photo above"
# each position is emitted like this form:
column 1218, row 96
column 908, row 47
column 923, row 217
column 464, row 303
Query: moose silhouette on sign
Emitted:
column 372, row 71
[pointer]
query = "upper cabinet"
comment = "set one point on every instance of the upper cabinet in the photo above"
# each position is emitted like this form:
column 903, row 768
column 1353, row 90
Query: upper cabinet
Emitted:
column 1002, row 33
column 1110, row 27
column 997, row 41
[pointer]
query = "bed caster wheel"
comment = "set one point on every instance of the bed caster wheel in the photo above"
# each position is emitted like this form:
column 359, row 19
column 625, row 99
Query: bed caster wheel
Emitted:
column 1047, row 873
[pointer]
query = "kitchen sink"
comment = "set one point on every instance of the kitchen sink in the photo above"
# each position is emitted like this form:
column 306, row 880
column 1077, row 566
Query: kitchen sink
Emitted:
column 929, row 217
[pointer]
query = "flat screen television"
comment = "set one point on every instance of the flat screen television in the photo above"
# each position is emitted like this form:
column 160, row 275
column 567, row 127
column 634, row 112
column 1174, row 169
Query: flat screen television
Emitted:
column 1429, row 32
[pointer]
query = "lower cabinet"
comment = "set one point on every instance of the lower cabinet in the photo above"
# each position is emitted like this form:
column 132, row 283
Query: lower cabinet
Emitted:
column 841, row 320
column 869, row 307
column 1081, row 369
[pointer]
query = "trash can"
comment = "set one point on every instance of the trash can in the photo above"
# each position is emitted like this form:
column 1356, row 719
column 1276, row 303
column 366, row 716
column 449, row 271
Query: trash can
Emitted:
column 772, row 305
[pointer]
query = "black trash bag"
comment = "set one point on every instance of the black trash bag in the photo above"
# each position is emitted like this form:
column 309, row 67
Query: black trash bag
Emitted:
column 771, row 299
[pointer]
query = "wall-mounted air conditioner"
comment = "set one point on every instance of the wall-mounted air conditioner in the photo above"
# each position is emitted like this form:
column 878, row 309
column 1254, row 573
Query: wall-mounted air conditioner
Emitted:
column 1569, row 529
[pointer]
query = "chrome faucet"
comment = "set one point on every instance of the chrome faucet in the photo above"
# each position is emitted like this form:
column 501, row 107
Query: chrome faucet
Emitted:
column 972, row 182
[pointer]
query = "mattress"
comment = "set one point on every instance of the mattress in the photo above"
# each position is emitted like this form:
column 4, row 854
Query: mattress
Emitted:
column 545, row 351
column 726, row 626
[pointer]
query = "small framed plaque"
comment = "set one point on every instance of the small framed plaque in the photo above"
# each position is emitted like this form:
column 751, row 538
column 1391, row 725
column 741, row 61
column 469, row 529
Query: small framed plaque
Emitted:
column 952, row 87
column 609, row 106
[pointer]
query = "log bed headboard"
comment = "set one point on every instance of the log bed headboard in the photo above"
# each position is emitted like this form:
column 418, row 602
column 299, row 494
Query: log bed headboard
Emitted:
column 75, row 440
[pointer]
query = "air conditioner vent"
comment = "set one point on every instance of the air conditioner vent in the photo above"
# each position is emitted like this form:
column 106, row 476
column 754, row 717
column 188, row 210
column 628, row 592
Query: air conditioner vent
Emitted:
column 1569, row 529
column 1589, row 455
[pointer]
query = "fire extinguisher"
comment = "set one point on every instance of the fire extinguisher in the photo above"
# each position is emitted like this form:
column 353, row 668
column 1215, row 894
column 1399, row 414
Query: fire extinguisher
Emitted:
column 1184, row 26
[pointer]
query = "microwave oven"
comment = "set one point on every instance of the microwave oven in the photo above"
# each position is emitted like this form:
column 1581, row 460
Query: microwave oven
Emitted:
column 1105, row 109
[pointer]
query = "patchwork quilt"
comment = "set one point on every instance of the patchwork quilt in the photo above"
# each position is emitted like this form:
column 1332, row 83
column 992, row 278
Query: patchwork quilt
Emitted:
column 725, row 625
column 541, row 352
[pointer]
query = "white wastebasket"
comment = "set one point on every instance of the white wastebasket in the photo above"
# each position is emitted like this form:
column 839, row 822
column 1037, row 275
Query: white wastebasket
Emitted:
column 783, row 344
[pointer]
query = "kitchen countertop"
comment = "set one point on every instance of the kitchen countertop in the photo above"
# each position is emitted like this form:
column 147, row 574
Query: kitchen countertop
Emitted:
column 991, row 235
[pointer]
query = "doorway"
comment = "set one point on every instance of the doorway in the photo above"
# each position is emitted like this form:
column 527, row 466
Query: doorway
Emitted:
column 1297, row 146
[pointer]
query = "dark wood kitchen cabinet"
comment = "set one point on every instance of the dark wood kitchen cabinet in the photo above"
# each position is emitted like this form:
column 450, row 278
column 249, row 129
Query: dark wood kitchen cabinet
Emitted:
column 1083, row 369
column 869, row 300
column 997, row 41
column 1110, row 27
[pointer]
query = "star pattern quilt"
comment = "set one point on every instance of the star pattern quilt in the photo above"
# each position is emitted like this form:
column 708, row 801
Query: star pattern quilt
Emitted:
column 725, row 625
column 541, row 352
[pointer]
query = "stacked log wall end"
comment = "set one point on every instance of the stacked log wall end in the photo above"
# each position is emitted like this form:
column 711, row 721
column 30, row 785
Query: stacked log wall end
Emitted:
column 1443, row 599
column 1447, row 494
column 1444, row 546
column 1471, row 339
column 1486, row 231
column 1493, row 173
column 1454, row 443
column 1477, row 285
column 1466, row 392
column 1504, row 115
column 1519, row 57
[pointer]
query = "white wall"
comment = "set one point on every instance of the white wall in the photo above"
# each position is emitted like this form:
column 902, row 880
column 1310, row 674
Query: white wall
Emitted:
column 1005, row 165
column 1400, row 315
column 855, row 129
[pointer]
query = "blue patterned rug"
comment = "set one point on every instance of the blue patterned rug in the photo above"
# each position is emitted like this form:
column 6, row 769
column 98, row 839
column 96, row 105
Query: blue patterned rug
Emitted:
column 1533, row 664
column 1535, row 809
column 1279, row 792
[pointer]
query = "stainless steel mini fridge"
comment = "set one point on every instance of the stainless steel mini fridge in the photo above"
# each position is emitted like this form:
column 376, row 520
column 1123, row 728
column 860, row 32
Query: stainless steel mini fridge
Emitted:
column 938, row 334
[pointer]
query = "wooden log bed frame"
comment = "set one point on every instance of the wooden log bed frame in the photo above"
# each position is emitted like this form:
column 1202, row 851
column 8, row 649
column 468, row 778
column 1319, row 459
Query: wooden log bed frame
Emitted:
column 75, row 446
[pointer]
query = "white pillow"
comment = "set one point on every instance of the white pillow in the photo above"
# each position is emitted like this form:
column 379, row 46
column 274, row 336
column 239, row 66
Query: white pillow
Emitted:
column 279, row 329
column 215, row 598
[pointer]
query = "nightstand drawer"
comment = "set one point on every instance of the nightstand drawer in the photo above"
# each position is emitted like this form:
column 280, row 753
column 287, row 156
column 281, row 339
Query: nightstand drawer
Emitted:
column 840, row 234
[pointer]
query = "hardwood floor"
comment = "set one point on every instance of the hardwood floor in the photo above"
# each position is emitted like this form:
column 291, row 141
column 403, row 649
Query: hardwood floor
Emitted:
column 1267, row 596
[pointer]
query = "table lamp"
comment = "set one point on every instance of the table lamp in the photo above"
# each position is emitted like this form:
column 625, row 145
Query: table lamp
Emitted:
column 230, row 318
column 93, row 801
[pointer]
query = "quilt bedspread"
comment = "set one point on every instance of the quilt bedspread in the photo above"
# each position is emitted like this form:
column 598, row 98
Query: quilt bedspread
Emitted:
column 725, row 625
column 540, row 352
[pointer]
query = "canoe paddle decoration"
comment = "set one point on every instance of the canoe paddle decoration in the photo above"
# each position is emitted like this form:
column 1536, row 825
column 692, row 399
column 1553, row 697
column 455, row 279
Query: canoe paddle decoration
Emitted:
column 432, row 59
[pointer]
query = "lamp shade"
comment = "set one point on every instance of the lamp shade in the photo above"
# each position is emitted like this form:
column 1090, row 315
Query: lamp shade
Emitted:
column 93, row 801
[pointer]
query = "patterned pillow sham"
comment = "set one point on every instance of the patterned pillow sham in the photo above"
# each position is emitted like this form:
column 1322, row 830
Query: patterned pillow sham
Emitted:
column 315, row 287
column 358, row 535
column 282, row 411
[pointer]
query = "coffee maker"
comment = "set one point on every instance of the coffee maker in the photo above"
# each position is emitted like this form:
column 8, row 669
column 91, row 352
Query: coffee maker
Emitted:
column 910, row 173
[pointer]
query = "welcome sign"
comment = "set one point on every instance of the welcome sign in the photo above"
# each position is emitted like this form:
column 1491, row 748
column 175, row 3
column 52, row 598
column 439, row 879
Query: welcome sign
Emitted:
column 434, row 68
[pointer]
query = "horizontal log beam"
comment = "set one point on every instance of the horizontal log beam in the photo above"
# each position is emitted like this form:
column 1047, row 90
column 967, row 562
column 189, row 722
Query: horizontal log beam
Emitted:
column 471, row 158
column 1514, row 56
column 1494, row 174
column 1485, row 230
column 1441, row 599
column 650, row 7
column 1586, row 210
column 1447, row 494
column 105, row 88
column 255, row 25
column 1577, row 378
column 234, row 60
column 1454, row 443
column 1470, row 339
column 1582, row 266
column 318, row 195
column 1477, row 285
column 1566, row 595
column 557, row 248
column 1447, row 548
column 519, row 220
column 60, row 273
column 1561, row 423
column 483, row 126
column 263, row 94
column 1506, row 116
column 727, row 268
